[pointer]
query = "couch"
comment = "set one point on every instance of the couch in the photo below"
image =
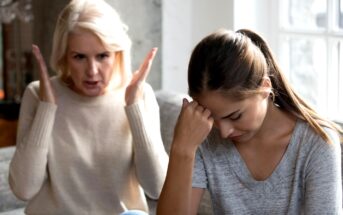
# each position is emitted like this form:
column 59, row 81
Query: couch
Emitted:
column 169, row 110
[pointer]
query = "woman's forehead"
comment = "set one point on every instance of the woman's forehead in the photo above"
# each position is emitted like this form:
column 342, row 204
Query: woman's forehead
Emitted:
column 214, row 100
column 222, row 105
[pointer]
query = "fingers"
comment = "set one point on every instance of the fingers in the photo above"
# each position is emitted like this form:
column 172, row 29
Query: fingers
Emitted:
column 184, row 102
column 40, row 60
column 193, row 125
column 134, row 90
column 207, row 113
column 145, row 67
column 194, row 105
column 45, row 88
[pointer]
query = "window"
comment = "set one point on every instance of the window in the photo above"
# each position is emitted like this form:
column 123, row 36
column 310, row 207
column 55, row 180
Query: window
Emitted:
column 310, row 50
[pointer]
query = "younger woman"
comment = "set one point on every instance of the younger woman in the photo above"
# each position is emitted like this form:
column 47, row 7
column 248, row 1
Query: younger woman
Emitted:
column 249, row 138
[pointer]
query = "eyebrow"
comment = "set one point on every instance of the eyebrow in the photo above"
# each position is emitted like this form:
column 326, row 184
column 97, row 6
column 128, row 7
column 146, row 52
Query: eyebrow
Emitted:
column 78, row 52
column 75, row 52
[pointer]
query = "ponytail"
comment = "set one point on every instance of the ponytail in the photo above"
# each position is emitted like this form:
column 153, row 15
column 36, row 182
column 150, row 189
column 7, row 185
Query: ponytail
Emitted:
column 285, row 95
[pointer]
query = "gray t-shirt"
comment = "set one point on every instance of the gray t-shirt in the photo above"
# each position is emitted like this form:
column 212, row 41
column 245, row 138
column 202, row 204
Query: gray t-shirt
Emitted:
column 306, row 181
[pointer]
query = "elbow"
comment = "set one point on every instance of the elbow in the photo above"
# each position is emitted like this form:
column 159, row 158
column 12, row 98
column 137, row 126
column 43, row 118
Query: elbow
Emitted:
column 22, row 192
column 154, row 195
column 155, row 192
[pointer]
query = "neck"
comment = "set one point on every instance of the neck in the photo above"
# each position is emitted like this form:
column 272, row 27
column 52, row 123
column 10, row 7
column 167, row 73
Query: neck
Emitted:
column 277, row 124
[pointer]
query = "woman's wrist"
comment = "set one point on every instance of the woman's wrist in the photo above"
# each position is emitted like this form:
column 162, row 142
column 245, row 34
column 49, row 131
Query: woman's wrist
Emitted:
column 182, row 150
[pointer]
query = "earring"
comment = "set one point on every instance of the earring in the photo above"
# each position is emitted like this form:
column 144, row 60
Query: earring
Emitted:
column 272, row 95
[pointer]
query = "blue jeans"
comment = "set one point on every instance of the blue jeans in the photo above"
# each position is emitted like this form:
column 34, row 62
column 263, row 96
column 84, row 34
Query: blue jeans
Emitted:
column 134, row 212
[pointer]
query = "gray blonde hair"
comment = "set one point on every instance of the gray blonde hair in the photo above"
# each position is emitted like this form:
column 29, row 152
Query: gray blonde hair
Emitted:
column 99, row 18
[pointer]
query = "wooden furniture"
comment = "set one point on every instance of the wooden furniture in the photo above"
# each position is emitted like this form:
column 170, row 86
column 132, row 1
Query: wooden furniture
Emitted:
column 8, row 132
column 9, row 112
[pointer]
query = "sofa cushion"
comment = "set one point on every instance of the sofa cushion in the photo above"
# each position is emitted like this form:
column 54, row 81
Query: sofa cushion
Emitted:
column 170, row 106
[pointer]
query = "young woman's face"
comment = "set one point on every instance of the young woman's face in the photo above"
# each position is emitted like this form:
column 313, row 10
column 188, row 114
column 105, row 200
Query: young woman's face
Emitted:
column 91, row 66
column 236, row 120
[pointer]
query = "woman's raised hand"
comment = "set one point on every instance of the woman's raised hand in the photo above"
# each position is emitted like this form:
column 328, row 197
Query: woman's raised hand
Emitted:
column 192, row 127
column 134, row 91
column 46, row 93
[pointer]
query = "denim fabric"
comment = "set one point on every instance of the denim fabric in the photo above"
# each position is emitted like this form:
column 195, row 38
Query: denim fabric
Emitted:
column 134, row 212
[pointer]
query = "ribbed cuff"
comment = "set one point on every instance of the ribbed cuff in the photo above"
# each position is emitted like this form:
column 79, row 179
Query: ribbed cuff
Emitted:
column 42, row 125
column 137, row 124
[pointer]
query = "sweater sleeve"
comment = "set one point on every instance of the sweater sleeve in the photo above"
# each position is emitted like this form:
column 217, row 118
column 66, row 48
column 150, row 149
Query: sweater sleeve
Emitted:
column 323, row 178
column 150, row 157
column 28, row 167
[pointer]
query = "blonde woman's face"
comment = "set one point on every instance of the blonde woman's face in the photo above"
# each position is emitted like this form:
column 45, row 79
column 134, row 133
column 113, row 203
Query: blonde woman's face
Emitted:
column 90, row 65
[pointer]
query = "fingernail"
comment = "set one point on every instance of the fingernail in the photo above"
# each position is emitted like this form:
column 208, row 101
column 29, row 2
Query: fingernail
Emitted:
column 34, row 48
column 184, row 101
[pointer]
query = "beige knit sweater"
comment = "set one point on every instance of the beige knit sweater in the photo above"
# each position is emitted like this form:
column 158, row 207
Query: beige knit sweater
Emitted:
column 87, row 155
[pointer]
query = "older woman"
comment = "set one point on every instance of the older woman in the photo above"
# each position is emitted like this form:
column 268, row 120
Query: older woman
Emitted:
column 85, row 145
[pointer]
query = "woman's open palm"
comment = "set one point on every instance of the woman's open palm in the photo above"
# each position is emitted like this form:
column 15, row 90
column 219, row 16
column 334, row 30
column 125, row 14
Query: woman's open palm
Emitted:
column 46, row 93
column 134, row 91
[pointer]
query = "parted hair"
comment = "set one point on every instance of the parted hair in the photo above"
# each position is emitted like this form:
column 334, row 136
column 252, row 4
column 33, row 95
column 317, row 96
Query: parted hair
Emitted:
column 235, row 64
column 102, row 20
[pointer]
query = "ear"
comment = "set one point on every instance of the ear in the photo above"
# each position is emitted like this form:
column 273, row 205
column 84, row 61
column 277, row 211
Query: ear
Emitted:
column 266, row 87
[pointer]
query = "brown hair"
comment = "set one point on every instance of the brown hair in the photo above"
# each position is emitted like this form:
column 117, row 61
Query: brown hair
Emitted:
column 235, row 63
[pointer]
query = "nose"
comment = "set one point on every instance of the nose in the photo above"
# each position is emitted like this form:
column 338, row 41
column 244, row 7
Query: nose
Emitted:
column 92, row 68
column 225, row 128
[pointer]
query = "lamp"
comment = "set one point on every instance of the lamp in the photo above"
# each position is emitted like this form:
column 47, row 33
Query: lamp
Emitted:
column 10, row 9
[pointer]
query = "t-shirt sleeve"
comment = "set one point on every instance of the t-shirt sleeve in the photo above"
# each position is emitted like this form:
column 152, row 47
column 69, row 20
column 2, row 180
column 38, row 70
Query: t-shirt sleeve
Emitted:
column 199, row 172
column 323, row 178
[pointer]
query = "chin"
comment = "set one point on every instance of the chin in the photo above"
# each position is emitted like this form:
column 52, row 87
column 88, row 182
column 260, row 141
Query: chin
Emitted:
column 244, row 138
column 93, row 93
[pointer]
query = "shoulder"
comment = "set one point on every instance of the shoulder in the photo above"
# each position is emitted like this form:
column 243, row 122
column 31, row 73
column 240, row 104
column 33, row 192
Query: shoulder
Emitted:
column 311, row 143
column 149, row 94
column 32, row 90
column 214, row 145
column 148, row 89
column 305, row 132
column 33, row 86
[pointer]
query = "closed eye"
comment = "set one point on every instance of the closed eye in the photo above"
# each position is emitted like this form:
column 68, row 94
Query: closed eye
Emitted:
column 236, row 117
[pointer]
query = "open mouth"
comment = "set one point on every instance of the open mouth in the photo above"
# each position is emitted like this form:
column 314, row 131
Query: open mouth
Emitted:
column 91, row 84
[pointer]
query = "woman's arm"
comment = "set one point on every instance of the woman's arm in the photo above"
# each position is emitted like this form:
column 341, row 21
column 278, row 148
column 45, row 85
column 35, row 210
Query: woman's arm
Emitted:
column 178, row 196
column 37, row 113
column 28, row 165
column 142, row 110
column 150, row 157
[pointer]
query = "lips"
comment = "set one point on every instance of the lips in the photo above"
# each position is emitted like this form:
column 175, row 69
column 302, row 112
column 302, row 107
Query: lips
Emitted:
column 91, row 84
column 235, row 137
